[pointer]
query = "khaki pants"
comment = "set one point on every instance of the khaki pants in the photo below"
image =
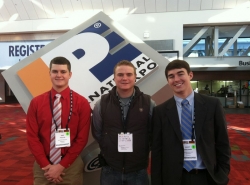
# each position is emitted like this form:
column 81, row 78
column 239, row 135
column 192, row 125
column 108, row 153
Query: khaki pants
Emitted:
column 73, row 174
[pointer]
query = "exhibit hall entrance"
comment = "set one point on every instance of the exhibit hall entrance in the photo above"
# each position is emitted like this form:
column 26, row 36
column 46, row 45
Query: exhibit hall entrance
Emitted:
column 9, row 95
column 231, row 88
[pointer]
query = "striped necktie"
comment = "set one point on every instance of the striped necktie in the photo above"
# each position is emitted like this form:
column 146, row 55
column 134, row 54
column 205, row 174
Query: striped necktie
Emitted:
column 55, row 153
column 186, row 128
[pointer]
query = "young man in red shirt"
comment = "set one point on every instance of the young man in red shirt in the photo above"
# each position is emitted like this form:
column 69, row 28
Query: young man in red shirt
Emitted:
column 70, row 121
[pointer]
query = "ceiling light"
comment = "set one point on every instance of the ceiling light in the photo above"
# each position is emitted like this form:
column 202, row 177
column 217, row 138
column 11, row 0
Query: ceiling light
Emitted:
column 1, row 3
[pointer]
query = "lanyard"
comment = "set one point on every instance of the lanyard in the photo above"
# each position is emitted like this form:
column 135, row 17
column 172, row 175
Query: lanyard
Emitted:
column 124, row 117
column 70, row 112
column 193, row 126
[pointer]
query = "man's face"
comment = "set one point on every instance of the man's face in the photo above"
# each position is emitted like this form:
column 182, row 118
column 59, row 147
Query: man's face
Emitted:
column 124, row 78
column 179, row 81
column 60, row 75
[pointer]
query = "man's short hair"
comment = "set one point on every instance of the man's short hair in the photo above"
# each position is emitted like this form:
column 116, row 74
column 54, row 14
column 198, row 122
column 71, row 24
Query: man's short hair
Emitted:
column 125, row 63
column 60, row 61
column 177, row 64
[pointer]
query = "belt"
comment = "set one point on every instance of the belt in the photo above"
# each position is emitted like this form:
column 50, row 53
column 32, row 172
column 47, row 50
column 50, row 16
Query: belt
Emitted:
column 62, row 156
column 195, row 171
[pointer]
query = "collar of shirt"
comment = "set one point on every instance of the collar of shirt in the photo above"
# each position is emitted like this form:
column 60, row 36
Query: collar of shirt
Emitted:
column 125, row 101
column 64, row 94
column 190, row 99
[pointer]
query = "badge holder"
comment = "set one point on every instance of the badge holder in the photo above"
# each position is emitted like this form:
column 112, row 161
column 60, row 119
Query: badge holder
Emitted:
column 125, row 142
column 62, row 138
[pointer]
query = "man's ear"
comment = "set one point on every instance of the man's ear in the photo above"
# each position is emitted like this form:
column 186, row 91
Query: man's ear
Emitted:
column 191, row 75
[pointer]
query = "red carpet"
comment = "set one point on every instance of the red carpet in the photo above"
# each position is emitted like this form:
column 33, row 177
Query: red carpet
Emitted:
column 16, row 160
column 239, row 135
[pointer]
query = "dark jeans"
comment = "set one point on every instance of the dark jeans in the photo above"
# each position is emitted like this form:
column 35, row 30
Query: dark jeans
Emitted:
column 111, row 177
column 202, row 178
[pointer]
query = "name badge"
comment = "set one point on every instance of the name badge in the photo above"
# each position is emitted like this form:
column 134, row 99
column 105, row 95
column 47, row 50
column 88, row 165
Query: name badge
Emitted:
column 125, row 142
column 190, row 153
column 62, row 138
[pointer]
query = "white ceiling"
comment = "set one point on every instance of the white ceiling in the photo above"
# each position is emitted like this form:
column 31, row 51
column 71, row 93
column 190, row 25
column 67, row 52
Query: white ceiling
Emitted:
column 19, row 10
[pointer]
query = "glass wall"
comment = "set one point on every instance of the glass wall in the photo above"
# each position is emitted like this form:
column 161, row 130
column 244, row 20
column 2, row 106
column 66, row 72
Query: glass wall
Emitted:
column 235, row 93
column 245, row 92
column 204, row 46
column 194, row 84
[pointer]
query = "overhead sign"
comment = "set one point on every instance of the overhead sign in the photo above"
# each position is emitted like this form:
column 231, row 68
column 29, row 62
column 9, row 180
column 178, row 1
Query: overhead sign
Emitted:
column 14, row 51
column 242, row 63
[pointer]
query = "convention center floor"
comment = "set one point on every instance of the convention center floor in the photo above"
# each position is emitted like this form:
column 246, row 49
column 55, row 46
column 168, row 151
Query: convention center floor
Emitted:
column 16, row 160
